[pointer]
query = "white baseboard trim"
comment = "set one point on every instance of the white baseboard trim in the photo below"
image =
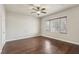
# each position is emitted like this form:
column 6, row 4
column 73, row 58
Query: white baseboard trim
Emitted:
column 46, row 36
column 0, row 51
column 21, row 38
column 62, row 40
column 2, row 47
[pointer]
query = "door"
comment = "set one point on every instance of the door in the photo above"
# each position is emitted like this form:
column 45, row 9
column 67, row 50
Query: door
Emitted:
column 0, row 33
column 2, row 27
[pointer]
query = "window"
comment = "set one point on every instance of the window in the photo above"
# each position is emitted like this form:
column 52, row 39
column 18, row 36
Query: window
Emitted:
column 57, row 25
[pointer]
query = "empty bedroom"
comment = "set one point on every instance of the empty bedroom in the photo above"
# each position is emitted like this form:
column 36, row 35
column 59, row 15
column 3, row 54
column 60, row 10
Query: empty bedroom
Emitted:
column 39, row 29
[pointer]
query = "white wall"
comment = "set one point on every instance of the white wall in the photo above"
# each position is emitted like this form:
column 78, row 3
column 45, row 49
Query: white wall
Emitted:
column 72, row 26
column 21, row 26
column 0, row 30
column 2, row 27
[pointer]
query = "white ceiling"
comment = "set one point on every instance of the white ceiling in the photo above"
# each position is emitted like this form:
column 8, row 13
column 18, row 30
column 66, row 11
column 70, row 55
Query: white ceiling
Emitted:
column 27, row 8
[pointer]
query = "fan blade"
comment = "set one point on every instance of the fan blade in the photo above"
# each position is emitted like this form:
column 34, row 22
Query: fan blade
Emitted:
column 38, row 8
column 34, row 9
column 43, row 9
column 43, row 12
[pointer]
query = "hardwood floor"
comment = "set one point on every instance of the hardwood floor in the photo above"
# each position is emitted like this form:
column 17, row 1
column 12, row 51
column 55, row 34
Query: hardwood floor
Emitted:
column 39, row 45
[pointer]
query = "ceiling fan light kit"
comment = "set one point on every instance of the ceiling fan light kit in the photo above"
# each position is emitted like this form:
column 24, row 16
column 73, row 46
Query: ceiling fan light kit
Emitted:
column 39, row 10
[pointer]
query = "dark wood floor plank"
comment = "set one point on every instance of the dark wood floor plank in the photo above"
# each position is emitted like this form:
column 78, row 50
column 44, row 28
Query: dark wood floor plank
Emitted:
column 39, row 45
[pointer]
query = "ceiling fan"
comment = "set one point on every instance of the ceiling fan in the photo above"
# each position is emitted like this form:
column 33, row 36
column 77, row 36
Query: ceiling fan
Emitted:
column 38, row 10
